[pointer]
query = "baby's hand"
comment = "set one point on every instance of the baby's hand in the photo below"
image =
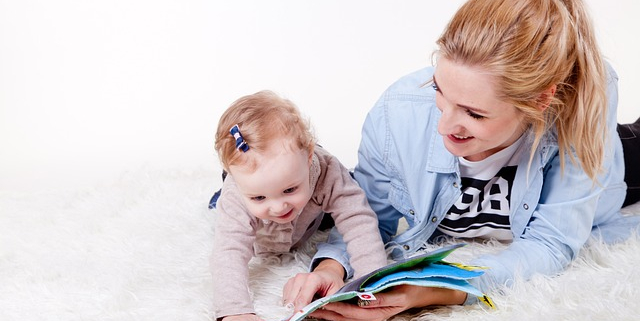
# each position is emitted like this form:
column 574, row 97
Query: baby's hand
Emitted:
column 242, row 317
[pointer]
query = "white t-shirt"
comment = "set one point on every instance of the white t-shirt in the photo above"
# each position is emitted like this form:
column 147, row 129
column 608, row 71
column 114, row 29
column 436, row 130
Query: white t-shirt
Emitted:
column 482, row 211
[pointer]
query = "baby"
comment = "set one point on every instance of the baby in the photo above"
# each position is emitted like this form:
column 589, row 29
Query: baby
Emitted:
column 278, row 187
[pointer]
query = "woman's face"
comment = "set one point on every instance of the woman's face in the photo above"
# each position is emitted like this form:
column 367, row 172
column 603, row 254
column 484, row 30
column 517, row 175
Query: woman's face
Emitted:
column 475, row 124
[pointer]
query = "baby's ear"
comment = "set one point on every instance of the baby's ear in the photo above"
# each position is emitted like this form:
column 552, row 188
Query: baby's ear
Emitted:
column 311, row 155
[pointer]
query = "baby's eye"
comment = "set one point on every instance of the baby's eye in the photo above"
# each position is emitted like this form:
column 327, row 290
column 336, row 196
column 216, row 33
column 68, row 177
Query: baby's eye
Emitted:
column 290, row 190
column 257, row 198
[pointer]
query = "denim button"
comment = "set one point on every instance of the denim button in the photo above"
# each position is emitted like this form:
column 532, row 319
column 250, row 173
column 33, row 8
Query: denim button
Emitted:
column 406, row 247
column 412, row 212
column 434, row 219
column 525, row 206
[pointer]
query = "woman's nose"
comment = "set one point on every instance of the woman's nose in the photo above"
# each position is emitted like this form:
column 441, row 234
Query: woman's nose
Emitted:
column 447, row 122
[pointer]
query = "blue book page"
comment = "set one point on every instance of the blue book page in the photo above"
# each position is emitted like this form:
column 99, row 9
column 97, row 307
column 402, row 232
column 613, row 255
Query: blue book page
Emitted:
column 423, row 270
column 406, row 264
column 435, row 270
column 436, row 282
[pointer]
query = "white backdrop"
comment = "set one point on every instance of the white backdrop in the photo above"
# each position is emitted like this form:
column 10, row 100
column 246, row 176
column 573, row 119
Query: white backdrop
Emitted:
column 91, row 89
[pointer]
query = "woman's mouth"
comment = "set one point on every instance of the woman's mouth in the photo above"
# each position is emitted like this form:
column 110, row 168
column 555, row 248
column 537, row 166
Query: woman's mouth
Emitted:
column 459, row 138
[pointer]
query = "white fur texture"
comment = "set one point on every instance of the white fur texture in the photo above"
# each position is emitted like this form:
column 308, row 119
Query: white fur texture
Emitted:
column 138, row 249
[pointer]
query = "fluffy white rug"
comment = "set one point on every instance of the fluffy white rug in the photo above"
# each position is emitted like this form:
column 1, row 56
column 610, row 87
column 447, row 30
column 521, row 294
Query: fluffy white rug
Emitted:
column 138, row 249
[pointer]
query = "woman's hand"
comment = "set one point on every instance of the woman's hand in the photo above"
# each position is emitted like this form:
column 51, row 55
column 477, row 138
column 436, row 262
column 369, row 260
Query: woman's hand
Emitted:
column 390, row 303
column 326, row 279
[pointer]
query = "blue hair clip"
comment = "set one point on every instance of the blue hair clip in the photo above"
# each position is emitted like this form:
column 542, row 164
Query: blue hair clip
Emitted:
column 241, row 144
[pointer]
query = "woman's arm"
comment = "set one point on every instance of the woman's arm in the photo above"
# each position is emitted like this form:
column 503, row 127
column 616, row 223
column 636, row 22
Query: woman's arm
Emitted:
column 371, row 173
column 390, row 303
column 561, row 219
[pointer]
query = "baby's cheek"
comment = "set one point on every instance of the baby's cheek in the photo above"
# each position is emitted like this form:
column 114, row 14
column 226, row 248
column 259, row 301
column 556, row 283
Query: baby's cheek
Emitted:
column 257, row 211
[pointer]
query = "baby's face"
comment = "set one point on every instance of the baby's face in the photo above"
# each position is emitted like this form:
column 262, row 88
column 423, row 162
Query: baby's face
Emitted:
column 279, row 188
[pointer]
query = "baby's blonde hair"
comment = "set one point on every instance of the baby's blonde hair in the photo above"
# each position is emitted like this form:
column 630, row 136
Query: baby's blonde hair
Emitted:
column 262, row 118
column 528, row 46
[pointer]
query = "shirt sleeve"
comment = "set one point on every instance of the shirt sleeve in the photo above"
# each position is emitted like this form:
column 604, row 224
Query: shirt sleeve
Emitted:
column 563, row 217
column 372, row 174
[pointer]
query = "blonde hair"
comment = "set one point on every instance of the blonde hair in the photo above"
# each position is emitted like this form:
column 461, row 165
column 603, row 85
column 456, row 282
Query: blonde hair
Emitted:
column 528, row 46
column 262, row 118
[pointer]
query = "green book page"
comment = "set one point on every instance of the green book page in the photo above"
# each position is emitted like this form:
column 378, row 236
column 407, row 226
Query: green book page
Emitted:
column 423, row 270
column 406, row 264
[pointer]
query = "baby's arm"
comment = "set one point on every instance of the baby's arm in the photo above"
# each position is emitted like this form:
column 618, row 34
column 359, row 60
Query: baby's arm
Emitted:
column 232, row 249
column 364, row 244
column 355, row 221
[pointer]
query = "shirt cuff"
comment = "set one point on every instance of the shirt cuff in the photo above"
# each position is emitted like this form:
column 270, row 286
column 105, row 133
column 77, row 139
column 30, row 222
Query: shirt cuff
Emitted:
column 330, row 251
column 471, row 299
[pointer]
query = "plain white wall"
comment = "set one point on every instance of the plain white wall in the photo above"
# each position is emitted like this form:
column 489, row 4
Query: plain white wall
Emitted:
column 91, row 89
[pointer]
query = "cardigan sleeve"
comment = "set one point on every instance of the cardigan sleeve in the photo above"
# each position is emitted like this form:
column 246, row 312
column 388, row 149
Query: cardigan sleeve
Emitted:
column 343, row 198
column 232, row 250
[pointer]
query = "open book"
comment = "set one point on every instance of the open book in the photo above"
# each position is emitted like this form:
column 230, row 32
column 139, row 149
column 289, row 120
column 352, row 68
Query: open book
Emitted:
column 427, row 269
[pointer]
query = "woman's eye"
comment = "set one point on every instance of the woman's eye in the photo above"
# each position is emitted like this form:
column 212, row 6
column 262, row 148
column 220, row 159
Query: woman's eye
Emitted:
column 474, row 115
column 435, row 87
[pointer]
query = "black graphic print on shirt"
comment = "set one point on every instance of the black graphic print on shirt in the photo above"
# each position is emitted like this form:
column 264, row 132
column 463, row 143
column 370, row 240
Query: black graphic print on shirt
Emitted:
column 483, row 209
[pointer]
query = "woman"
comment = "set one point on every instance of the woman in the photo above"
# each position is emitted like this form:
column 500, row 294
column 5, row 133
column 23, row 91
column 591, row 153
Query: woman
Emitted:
column 512, row 136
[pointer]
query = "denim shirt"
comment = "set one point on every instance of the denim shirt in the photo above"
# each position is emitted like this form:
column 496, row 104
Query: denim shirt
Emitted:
column 407, row 172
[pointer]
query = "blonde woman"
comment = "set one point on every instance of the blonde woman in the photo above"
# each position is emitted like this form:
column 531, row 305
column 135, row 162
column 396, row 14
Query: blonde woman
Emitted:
column 511, row 136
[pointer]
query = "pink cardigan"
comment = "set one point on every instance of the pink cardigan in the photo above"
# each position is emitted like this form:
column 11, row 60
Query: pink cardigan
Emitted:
column 239, row 236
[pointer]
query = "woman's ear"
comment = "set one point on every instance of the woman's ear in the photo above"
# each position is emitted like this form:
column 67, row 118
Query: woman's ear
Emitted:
column 546, row 97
